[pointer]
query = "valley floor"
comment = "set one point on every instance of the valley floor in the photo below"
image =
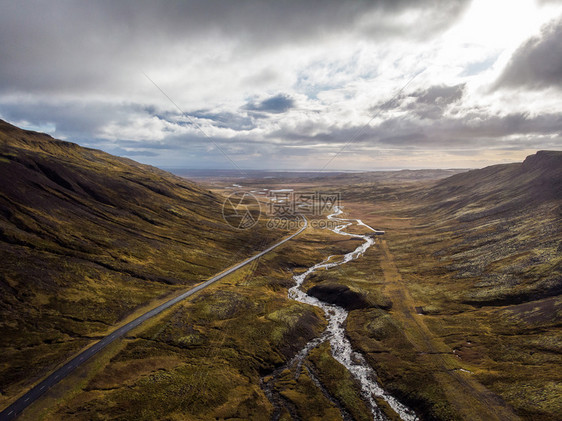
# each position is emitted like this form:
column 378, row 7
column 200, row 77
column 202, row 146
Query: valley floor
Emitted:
column 431, row 345
column 469, row 398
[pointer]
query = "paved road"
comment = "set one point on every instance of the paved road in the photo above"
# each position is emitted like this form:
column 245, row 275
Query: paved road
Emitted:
column 19, row 405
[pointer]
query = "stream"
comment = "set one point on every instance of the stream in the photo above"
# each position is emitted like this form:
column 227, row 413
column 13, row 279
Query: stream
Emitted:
column 335, row 331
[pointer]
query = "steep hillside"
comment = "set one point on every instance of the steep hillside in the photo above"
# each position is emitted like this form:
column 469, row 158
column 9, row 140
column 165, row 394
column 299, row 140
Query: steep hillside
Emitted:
column 480, row 253
column 501, row 188
column 506, row 219
column 86, row 238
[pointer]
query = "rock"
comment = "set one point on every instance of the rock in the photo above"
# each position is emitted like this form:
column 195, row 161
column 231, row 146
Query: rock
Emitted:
column 339, row 295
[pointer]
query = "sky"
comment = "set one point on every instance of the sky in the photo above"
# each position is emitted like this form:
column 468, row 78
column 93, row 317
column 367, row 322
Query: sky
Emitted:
column 307, row 85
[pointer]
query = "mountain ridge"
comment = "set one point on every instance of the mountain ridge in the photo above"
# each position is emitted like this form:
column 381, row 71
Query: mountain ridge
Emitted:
column 86, row 238
column 536, row 180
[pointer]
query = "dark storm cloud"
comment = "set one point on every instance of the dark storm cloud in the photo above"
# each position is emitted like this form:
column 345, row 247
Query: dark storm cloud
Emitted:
column 220, row 119
column 226, row 120
column 59, row 46
column 276, row 104
column 431, row 103
column 472, row 130
column 537, row 63
column 439, row 94
column 428, row 103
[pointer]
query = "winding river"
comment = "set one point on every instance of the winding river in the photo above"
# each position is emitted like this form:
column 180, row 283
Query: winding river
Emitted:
column 335, row 331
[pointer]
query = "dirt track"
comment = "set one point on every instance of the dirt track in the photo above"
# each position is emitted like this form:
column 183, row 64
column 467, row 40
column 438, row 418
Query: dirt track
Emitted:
column 471, row 399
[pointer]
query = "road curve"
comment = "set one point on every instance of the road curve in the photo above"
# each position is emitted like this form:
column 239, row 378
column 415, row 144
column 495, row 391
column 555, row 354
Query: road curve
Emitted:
column 13, row 410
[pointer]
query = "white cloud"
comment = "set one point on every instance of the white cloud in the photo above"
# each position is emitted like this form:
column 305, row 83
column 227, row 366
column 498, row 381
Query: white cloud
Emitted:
column 278, row 83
